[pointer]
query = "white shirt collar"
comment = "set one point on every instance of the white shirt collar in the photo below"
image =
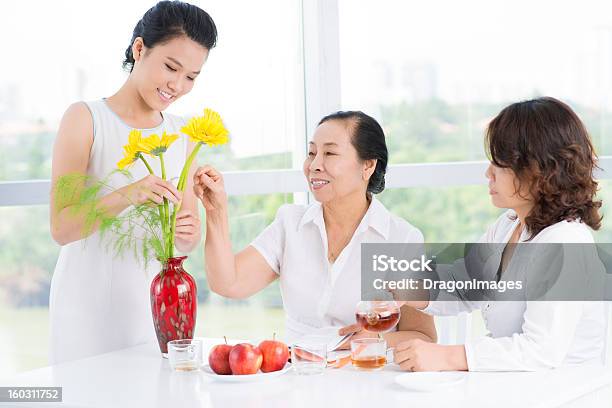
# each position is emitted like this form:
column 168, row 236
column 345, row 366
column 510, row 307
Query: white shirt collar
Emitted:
column 377, row 217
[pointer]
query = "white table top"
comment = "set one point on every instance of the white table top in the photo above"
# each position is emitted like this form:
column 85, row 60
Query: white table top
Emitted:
column 140, row 377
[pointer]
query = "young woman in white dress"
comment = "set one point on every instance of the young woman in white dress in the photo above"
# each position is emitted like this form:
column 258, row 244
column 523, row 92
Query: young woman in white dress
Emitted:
column 542, row 163
column 314, row 250
column 100, row 303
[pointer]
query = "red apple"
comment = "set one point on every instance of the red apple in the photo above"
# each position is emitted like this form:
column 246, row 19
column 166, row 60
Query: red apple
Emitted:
column 218, row 359
column 275, row 355
column 245, row 358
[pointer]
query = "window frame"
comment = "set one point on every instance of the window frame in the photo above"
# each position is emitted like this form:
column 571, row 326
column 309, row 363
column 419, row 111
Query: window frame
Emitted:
column 320, row 66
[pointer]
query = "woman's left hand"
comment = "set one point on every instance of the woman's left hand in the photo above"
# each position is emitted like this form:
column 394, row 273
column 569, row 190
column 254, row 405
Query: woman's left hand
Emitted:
column 419, row 355
column 187, row 231
column 359, row 334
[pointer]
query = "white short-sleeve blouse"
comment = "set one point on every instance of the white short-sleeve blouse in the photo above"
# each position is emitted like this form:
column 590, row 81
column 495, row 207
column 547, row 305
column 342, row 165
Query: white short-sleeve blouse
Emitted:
column 315, row 292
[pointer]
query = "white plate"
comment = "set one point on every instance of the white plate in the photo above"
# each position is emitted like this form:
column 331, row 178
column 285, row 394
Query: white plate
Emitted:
column 430, row 381
column 243, row 378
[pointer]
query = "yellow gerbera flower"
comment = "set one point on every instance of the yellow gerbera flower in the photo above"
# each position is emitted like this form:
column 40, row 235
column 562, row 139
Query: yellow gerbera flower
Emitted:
column 132, row 150
column 156, row 146
column 208, row 129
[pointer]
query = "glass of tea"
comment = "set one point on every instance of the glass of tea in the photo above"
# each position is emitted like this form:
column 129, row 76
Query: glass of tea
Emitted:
column 369, row 354
column 185, row 355
column 377, row 316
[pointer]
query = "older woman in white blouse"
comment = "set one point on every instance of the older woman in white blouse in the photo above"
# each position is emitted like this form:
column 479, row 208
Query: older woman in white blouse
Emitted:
column 315, row 250
column 542, row 171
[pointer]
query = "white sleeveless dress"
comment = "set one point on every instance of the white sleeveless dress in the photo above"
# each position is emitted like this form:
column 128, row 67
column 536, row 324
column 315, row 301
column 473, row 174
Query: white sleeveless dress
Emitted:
column 99, row 302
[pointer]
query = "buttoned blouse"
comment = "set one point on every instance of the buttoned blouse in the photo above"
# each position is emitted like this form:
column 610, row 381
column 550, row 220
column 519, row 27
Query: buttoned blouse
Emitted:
column 531, row 335
column 315, row 292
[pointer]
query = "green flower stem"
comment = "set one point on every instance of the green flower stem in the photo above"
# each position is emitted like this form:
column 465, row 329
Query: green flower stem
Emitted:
column 181, row 188
column 185, row 172
column 162, row 212
column 165, row 218
column 141, row 157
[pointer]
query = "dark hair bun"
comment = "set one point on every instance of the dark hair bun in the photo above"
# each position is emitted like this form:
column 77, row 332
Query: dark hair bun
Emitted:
column 170, row 19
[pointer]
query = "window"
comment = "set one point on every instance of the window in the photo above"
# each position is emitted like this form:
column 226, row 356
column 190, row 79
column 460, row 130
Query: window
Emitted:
column 435, row 73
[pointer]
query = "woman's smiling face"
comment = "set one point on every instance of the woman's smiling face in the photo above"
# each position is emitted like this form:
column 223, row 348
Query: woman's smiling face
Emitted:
column 333, row 168
column 167, row 71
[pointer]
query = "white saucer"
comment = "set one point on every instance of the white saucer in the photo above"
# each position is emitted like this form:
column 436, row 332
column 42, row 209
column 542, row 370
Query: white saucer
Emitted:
column 244, row 378
column 430, row 381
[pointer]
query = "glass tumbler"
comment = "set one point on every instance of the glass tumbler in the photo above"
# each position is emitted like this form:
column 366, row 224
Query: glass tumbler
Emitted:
column 185, row 355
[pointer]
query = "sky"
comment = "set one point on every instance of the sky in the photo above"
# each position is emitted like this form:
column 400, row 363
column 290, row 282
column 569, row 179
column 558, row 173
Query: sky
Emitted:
column 55, row 53
column 484, row 49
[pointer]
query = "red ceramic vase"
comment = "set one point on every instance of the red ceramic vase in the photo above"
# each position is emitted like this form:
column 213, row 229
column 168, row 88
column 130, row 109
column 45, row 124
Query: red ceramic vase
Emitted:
column 174, row 303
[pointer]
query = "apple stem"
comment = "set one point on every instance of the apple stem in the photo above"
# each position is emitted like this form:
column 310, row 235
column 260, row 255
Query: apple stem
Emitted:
column 274, row 336
column 225, row 338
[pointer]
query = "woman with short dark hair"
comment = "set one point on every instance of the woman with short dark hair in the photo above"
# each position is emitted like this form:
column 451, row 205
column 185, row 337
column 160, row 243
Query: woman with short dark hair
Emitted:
column 315, row 250
column 542, row 164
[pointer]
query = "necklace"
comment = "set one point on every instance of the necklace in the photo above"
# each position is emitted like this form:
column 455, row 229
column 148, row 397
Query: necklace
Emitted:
column 333, row 255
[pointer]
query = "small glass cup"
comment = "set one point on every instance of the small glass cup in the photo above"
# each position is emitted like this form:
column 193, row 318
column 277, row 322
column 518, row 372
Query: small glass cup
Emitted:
column 369, row 354
column 185, row 355
column 309, row 357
